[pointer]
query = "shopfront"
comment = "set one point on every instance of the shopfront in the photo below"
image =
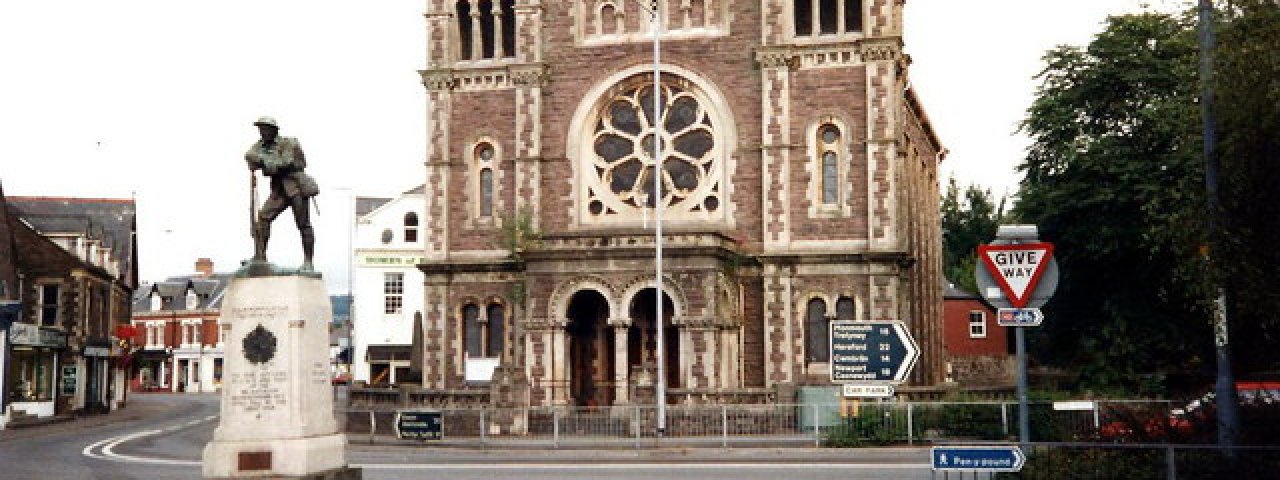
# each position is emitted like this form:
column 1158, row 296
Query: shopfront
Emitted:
column 33, row 376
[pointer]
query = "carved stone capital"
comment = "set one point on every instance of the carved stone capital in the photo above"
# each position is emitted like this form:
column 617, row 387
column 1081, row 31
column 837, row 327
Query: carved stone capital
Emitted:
column 530, row 75
column 438, row 79
column 777, row 58
column 880, row 49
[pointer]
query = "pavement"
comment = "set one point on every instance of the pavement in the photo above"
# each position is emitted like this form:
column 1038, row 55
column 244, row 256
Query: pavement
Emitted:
column 42, row 426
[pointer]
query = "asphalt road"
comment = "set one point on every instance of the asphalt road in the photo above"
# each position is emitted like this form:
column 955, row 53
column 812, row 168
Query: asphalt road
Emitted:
column 160, row 436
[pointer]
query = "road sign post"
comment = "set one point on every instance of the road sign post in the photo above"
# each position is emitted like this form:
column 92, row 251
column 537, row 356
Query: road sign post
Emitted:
column 1018, row 274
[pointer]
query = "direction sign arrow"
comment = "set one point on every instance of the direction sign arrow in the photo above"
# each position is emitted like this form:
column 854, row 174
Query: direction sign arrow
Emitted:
column 1019, row 317
column 1016, row 267
column 996, row 458
column 877, row 351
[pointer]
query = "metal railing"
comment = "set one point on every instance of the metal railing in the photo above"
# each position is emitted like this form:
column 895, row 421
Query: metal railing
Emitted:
column 743, row 425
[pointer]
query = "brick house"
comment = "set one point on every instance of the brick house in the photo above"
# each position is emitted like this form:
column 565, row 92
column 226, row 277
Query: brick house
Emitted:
column 799, row 187
column 978, row 350
column 179, row 343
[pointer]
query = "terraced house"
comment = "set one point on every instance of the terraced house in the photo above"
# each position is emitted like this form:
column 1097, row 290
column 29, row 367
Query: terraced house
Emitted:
column 798, row 180
column 76, row 269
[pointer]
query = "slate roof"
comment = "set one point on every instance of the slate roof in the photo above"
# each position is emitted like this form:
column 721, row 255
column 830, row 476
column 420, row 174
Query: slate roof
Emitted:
column 364, row 205
column 173, row 292
column 953, row 292
column 111, row 221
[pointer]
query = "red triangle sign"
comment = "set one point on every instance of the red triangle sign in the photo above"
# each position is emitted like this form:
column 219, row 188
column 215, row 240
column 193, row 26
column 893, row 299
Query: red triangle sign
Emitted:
column 1017, row 268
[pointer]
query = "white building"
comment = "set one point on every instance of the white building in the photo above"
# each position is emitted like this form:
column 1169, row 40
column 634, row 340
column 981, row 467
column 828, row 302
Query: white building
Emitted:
column 387, row 286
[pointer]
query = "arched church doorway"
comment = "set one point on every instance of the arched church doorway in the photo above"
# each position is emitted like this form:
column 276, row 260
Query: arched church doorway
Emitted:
column 642, row 339
column 590, row 350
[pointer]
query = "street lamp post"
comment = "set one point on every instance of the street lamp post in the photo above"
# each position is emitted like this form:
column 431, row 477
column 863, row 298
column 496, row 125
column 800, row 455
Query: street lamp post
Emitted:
column 658, row 204
column 658, row 201
column 1224, row 387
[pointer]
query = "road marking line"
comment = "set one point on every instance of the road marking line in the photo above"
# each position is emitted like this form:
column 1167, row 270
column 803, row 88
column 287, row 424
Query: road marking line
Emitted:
column 624, row 466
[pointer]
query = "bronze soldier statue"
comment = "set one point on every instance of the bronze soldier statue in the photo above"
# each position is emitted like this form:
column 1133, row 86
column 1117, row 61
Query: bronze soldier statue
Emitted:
column 281, row 159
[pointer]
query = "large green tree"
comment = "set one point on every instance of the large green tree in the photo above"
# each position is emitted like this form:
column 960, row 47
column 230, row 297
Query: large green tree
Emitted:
column 1247, row 113
column 1114, row 178
column 969, row 218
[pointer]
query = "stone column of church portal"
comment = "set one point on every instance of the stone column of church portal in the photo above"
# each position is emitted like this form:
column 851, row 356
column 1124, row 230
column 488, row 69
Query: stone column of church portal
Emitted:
column 559, row 358
column 620, row 365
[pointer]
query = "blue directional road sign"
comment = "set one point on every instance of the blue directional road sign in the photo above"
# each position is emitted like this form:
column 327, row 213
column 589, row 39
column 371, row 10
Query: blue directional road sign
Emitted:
column 994, row 458
column 879, row 351
column 1019, row 317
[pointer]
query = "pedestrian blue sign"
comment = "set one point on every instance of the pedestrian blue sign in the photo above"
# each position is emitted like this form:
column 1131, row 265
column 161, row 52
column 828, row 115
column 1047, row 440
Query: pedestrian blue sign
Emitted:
column 878, row 351
column 994, row 458
column 1019, row 317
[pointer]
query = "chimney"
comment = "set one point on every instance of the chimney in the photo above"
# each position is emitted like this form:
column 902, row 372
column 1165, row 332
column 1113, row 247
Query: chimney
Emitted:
column 204, row 267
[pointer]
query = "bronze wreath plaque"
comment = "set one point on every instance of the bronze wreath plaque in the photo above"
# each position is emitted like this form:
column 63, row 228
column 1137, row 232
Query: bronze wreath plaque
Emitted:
column 259, row 345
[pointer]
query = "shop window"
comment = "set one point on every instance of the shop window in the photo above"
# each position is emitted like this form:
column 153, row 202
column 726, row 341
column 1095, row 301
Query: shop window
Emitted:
column 32, row 374
column 816, row 335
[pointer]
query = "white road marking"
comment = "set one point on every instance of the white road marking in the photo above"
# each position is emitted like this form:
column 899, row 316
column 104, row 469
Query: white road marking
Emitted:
column 105, row 449
column 634, row 466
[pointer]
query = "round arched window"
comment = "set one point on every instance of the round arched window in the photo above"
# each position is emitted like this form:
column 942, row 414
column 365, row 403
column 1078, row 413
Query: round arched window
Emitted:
column 618, row 162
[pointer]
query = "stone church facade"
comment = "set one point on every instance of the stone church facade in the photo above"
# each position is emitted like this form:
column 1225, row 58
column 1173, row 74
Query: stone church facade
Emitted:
column 799, row 187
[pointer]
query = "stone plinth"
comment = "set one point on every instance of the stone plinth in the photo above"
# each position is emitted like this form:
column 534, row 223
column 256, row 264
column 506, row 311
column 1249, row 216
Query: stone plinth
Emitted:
column 277, row 401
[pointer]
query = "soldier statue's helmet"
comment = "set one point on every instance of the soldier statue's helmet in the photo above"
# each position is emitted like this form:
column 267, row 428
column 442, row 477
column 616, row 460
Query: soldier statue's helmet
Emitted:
column 266, row 121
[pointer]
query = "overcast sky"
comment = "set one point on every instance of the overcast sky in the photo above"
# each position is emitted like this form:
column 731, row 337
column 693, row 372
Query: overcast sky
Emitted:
column 155, row 98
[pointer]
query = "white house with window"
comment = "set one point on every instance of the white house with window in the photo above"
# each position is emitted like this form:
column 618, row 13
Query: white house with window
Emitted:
column 387, row 286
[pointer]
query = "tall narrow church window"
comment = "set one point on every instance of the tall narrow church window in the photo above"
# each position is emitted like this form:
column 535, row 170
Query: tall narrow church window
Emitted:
column 473, row 331
column 803, row 10
column 826, row 17
column 484, row 161
column 817, row 346
column 486, row 29
column 410, row 227
column 829, row 143
column 508, row 28
column 495, row 336
column 486, row 192
column 464, row 30
column 844, row 309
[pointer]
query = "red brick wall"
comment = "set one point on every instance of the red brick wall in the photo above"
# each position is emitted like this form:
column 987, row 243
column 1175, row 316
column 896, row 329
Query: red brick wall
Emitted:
column 956, row 327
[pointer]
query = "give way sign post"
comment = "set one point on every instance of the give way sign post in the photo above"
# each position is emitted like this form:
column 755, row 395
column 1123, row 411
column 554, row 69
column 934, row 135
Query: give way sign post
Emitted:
column 1016, row 268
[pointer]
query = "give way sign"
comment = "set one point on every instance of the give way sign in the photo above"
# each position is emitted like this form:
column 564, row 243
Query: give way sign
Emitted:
column 1017, row 268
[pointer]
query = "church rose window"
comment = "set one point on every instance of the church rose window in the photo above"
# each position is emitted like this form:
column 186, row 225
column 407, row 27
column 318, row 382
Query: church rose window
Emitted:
column 620, row 171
